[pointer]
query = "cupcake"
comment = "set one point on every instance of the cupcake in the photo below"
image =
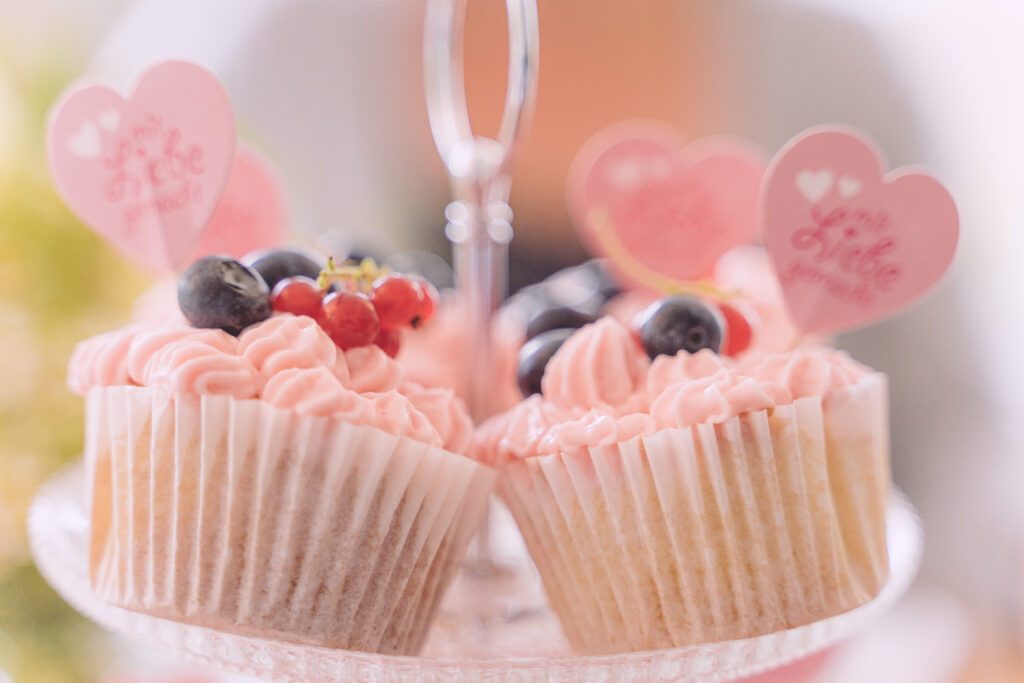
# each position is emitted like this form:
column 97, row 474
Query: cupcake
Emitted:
column 670, row 495
column 288, row 482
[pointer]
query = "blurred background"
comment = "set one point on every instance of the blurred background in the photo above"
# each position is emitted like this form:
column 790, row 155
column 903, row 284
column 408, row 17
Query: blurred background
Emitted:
column 331, row 92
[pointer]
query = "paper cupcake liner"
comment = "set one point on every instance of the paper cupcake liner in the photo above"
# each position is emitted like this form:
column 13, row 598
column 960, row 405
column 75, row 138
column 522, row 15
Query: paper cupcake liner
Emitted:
column 239, row 516
column 765, row 522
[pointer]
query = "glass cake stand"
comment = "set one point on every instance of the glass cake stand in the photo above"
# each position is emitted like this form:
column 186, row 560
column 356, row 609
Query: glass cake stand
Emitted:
column 492, row 626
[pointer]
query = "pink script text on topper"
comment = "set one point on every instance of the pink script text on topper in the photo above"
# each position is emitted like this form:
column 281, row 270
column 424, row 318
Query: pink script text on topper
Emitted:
column 671, row 208
column 849, row 246
column 146, row 172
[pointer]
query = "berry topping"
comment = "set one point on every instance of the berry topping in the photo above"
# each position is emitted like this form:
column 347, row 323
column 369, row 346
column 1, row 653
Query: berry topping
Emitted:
column 275, row 265
column 389, row 341
column 369, row 305
column 298, row 296
column 428, row 299
column 557, row 318
column 219, row 292
column 679, row 323
column 738, row 331
column 349, row 319
column 534, row 357
column 399, row 302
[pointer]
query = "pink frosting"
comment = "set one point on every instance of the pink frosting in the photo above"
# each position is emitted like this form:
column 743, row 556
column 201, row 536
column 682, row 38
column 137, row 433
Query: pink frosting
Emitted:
column 286, row 361
column 596, row 428
column 807, row 371
column 190, row 366
column 446, row 412
column 147, row 343
column 682, row 367
column 285, row 342
column 393, row 412
column 369, row 370
column 715, row 399
column 101, row 361
column 603, row 392
column 315, row 391
column 601, row 365
column 518, row 432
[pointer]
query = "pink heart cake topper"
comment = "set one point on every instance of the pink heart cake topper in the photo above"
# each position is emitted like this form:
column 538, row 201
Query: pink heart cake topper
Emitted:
column 252, row 213
column 639, row 196
column 145, row 172
column 850, row 246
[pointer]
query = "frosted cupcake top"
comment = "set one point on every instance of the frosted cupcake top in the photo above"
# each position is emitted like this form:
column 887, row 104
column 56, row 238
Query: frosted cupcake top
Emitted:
column 601, row 388
column 287, row 361
column 435, row 353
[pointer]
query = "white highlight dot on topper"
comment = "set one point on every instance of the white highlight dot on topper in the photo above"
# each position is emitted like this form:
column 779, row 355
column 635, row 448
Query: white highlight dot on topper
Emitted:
column 814, row 185
column 109, row 120
column 85, row 143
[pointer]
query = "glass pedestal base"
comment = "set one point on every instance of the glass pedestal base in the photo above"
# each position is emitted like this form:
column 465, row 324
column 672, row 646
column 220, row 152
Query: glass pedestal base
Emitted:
column 493, row 626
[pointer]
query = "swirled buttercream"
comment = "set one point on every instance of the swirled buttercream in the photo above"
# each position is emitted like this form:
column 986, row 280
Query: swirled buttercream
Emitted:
column 517, row 432
column 101, row 361
column 287, row 341
column 715, row 399
column 596, row 428
column 288, row 362
column 446, row 412
column 315, row 391
column 599, row 390
column 147, row 343
column 190, row 366
column 369, row 370
column 807, row 371
column 600, row 365
column 682, row 367
column 394, row 413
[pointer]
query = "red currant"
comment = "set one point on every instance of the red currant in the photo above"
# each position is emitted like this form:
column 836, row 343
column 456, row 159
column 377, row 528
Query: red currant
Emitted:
column 389, row 342
column 738, row 332
column 298, row 296
column 349, row 319
column 428, row 300
column 398, row 301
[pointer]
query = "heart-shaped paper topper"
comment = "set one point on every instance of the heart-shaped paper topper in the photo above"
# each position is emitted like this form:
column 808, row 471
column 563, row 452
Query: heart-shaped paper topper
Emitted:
column 850, row 246
column 145, row 172
column 655, row 207
column 252, row 213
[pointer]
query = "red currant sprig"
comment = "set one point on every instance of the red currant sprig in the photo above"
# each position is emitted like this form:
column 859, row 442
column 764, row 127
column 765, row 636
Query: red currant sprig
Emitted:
column 403, row 301
column 359, row 303
column 298, row 296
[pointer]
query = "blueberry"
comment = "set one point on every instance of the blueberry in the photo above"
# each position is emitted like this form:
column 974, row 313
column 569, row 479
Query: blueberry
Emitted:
column 555, row 318
column 275, row 265
column 534, row 357
column 219, row 292
column 679, row 323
